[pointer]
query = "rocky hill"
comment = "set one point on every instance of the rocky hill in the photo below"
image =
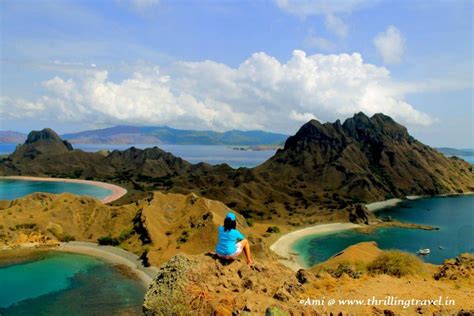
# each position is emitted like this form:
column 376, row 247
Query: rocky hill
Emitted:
column 323, row 172
column 325, row 168
column 12, row 137
column 156, row 227
column 203, row 285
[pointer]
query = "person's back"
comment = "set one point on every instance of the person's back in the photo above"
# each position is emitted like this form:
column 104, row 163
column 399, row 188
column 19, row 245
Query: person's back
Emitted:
column 231, row 241
column 228, row 240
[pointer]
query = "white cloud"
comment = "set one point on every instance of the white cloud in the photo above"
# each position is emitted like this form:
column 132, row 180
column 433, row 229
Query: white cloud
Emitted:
column 390, row 45
column 327, row 8
column 305, row 8
column 320, row 43
column 302, row 117
column 261, row 93
column 142, row 5
column 336, row 25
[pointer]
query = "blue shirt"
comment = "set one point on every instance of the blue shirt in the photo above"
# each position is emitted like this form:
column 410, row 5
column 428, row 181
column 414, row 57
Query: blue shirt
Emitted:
column 227, row 240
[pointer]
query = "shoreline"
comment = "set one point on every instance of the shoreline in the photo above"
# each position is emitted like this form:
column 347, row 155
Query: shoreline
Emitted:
column 375, row 206
column 113, row 255
column 116, row 191
column 283, row 246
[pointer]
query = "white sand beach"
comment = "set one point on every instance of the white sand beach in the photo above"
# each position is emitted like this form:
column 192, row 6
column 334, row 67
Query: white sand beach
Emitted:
column 113, row 255
column 117, row 191
column 371, row 207
column 283, row 246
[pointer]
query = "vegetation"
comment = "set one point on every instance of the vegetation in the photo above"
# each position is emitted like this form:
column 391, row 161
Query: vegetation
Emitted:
column 26, row 226
column 395, row 263
column 273, row 229
column 345, row 268
column 66, row 238
column 108, row 241
column 115, row 241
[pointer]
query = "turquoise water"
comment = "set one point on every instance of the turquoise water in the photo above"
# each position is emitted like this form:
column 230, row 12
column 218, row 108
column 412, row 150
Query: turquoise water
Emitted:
column 13, row 189
column 454, row 216
column 67, row 284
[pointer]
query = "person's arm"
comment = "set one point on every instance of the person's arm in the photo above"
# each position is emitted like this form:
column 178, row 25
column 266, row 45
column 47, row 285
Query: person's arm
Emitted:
column 239, row 235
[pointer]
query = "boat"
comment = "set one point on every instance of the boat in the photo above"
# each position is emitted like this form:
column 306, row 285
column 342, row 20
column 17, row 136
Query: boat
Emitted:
column 424, row 252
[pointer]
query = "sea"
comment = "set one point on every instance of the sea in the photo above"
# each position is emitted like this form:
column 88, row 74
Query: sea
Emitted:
column 68, row 284
column 454, row 216
column 12, row 189
column 211, row 154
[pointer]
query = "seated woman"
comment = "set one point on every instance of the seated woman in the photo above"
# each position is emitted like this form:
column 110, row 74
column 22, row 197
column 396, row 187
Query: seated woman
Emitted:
column 231, row 241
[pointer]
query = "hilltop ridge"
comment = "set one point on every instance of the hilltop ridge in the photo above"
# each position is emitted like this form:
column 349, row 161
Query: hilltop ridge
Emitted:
column 324, row 172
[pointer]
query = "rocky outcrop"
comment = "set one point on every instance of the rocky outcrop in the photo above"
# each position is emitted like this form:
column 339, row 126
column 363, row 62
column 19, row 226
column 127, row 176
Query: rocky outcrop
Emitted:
column 44, row 142
column 459, row 267
column 202, row 285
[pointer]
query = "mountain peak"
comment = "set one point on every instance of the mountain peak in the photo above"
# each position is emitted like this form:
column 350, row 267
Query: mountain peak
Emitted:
column 44, row 134
column 41, row 142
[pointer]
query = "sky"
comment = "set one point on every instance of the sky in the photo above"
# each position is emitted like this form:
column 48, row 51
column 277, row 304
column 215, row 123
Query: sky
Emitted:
column 222, row 65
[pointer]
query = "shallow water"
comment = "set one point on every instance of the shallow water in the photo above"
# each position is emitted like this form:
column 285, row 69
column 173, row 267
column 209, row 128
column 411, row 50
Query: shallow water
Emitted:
column 454, row 216
column 67, row 284
column 13, row 189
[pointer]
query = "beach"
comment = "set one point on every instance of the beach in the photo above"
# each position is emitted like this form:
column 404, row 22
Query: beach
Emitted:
column 112, row 255
column 283, row 246
column 117, row 191
column 375, row 206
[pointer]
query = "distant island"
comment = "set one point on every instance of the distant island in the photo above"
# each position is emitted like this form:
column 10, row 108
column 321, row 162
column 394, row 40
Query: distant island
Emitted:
column 128, row 135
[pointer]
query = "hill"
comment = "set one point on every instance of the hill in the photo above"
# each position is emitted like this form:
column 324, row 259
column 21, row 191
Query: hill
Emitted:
column 123, row 135
column 11, row 137
column 168, row 135
column 323, row 173
column 203, row 285
column 456, row 152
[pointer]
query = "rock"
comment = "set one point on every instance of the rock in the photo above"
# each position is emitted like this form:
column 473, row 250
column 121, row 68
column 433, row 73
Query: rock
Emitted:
column 165, row 295
column 202, row 284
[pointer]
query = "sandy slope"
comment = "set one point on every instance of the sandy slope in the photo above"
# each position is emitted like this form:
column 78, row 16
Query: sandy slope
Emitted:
column 117, row 191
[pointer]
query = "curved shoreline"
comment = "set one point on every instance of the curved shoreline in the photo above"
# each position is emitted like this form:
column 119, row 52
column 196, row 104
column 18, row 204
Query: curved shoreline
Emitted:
column 283, row 246
column 112, row 255
column 117, row 191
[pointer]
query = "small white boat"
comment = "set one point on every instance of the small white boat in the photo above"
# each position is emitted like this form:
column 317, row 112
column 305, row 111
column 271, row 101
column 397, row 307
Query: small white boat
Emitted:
column 424, row 252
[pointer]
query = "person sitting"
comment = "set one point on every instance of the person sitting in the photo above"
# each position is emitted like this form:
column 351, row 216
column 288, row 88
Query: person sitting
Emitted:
column 231, row 242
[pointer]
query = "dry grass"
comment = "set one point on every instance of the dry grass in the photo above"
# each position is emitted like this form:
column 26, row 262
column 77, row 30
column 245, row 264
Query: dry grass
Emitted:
column 395, row 263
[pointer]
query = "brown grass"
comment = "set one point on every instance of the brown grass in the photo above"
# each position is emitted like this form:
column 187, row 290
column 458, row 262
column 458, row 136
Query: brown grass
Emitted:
column 395, row 263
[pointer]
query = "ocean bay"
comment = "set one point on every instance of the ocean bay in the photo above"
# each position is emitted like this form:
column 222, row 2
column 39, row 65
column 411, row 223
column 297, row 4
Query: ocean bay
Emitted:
column 453, row 215
column 65, row 283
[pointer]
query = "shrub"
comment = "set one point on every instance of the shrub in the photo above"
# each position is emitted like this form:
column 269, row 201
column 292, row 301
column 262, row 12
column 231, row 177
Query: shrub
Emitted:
column 273, row 229
column 249, row 222
column 26, row 226
column 66, row 238
column 345, row 268
column 124, row 235
column 108, row 240
column 396, row 263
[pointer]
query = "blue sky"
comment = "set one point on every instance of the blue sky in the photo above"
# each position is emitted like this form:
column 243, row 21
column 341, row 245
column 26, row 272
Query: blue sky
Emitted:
column 272, row 65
